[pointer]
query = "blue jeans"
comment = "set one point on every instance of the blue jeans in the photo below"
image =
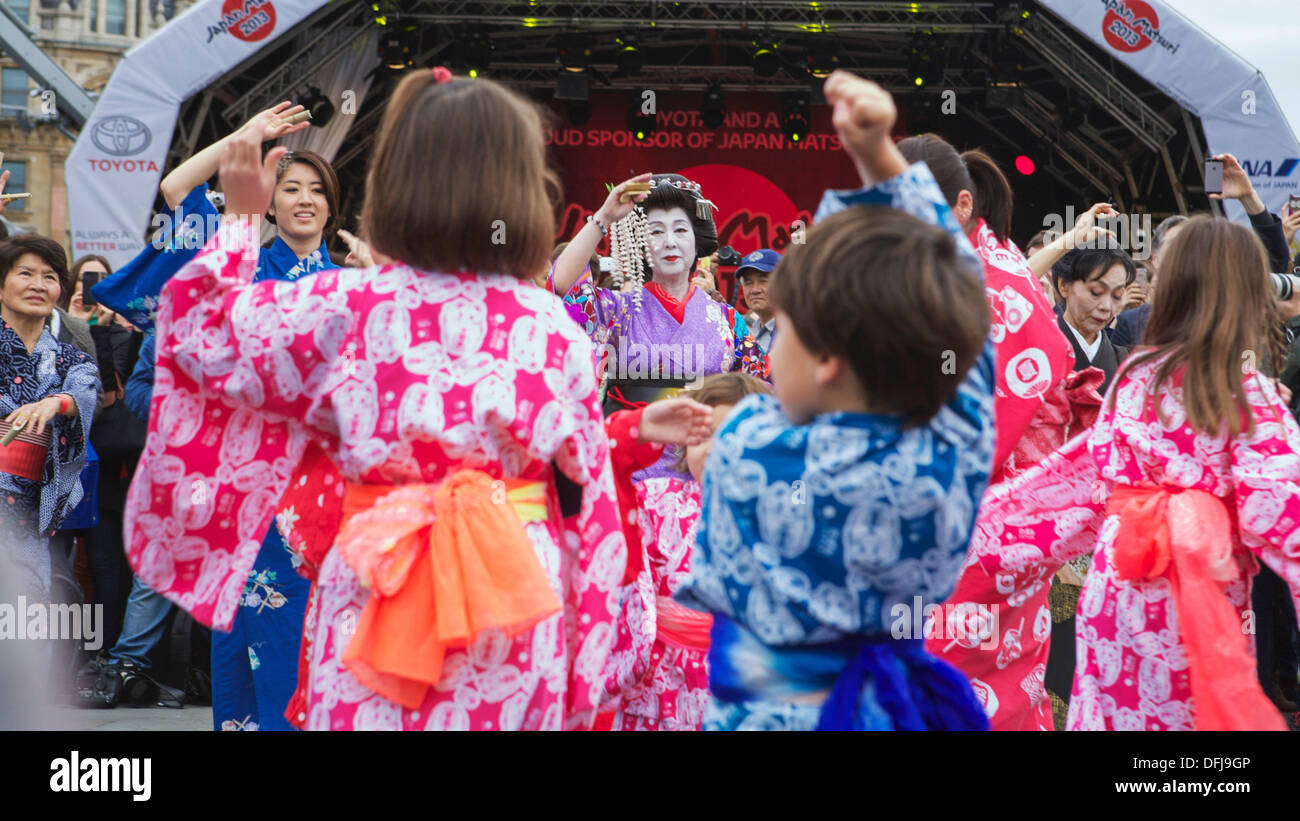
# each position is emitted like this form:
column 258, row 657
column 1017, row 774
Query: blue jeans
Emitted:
column 143, row 625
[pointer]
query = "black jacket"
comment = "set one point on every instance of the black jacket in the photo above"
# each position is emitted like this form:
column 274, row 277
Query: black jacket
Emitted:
column 1109, row 355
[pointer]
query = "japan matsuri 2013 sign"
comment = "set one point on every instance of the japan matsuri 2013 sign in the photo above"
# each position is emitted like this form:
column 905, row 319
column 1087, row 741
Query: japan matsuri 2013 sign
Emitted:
column 1237, row 109
column 114, row 169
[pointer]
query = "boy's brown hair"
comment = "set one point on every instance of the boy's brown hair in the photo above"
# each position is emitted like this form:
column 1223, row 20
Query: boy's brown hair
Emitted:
column 889, row 295
column 720, row 389
column 459, row 179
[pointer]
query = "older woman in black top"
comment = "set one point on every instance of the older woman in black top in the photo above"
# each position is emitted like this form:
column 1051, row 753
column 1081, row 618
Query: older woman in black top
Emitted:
column 1090, row 283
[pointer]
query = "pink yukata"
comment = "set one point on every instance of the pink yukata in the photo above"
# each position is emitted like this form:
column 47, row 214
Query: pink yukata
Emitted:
column 658, row 672
column 1133, row 664
column 401, row 377
column 1040, row 402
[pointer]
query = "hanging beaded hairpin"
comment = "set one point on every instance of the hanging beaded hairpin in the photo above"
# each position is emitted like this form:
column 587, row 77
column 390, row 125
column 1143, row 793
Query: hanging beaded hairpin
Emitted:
column 629, row 239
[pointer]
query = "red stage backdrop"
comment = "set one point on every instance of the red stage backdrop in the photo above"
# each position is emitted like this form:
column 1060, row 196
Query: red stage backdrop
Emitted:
column 761, row 181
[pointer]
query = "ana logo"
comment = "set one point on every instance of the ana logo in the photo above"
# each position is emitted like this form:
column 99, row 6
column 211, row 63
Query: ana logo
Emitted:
column 1132, row 25
column 1264, row 168
column 247, row 20
column 120, row 136
column 755, row 257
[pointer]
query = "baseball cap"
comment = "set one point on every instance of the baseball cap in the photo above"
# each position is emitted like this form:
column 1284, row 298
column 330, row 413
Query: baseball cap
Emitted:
column 762, row 260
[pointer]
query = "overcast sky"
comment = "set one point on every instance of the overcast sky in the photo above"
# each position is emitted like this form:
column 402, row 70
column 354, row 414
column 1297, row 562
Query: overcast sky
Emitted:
column 1266, row 33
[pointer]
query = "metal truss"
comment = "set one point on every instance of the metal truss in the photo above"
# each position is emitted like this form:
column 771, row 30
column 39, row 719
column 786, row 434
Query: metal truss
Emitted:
column 69, row 96
column 774, row 16
column 314, row 49
column 1058, row 49
column 700, row 77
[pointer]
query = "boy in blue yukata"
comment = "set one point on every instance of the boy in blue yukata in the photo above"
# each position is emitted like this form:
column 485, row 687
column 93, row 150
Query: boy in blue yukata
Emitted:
column 834, row 508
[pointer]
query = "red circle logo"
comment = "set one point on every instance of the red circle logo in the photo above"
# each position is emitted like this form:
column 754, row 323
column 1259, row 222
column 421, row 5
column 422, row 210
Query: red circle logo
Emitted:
column 1128, row 26
column 249, row 20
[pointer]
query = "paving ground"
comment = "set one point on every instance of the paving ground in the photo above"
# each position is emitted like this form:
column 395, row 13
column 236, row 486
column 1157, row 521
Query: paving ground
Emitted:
column 131, row 718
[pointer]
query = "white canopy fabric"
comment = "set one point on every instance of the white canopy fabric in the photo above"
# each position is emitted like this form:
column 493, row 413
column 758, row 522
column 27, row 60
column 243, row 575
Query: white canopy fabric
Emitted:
column 1238, row 112
column 115, row 167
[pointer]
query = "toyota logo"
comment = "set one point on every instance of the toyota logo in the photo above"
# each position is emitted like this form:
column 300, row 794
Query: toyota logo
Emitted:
column 120, row 136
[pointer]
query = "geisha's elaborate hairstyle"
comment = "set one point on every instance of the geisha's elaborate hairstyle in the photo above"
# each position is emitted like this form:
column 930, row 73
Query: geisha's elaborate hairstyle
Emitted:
column 627, row 238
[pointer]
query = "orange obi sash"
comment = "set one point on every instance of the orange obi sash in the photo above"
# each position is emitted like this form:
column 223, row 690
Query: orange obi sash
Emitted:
column 443, row 563
column 681, row 626
column 1186, row 536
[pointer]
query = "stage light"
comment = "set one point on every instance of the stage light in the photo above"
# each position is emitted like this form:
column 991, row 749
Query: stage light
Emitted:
column 823, row 57
column 472, row 53
column 925, row 62
column 397, row 45
column 629, row 59
column 1025, row 165
column 573, row 87
column 795, row 116
column 765, row 60
column 641, row 125
column 714, row 109
column 322, row 110
column 574, row 53
column 578, row 112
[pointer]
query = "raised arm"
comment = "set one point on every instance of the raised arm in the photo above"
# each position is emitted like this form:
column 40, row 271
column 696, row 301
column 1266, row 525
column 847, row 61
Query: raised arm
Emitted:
column 1084, row 230
column 200, row 168
column 569, row 265
column 863, row 117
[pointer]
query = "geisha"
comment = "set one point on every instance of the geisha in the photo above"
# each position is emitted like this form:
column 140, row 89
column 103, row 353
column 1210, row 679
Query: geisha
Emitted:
column 663, row 333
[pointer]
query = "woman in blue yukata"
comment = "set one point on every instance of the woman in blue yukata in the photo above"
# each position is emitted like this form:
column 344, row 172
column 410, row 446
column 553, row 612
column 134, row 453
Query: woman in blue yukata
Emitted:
column 49, row 387
column 255, row 665
column 834, row 508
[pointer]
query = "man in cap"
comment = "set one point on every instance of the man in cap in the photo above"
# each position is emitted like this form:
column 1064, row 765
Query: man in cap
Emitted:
column 752, row 274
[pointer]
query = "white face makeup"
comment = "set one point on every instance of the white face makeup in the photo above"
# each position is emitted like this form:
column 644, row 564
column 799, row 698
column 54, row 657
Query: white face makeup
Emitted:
column 672, row 243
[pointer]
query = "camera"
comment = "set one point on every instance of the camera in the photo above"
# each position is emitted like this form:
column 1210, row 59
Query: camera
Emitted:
column 1285, row 285
column 728, row 256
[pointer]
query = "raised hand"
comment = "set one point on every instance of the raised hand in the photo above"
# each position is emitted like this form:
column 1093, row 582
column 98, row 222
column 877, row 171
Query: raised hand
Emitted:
column 863, row 114
column 1085, row 228
column 1236, row 184
column 1133, row 297
column 677, row 421
column 613, row 209
column 1290, row 223
column 247, row 179
column 273, row 123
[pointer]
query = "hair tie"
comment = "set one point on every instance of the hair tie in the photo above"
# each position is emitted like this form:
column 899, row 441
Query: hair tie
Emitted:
column 441, row 75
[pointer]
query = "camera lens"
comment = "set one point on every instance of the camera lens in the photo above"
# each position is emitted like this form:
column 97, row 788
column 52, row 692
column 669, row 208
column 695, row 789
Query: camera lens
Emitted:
column 1284, row 284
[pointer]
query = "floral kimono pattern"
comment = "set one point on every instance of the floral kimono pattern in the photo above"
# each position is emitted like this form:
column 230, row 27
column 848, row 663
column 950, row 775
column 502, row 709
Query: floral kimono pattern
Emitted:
column 812, row 536
column 31, row 510
column 401, row 377
column 1132, row 671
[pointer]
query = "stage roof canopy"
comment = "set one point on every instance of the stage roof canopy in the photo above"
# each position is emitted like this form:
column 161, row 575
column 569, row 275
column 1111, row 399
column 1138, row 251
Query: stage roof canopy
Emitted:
column 1114, row 100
